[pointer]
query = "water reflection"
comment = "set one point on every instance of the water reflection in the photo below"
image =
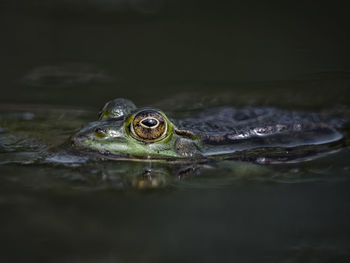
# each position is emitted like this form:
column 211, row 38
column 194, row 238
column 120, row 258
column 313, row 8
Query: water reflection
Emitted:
column 53, row 199
column 35, row 137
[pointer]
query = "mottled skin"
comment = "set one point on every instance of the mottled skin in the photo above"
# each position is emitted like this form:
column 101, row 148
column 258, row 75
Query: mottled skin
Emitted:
column 262, row 135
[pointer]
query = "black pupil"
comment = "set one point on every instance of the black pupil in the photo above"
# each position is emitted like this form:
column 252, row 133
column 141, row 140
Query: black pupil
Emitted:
column 149, row 122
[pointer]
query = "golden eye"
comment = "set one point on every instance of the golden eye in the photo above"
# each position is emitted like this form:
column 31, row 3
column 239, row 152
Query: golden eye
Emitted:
column 148, row 126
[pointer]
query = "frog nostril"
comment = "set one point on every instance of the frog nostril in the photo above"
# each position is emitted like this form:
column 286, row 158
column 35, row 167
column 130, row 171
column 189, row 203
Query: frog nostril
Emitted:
column 100, row 132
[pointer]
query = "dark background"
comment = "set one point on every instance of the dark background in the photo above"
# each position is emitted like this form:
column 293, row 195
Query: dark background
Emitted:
column 174, row 53
column 86, row 52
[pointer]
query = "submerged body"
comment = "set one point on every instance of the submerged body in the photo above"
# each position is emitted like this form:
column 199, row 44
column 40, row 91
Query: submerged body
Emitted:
column 263, row 135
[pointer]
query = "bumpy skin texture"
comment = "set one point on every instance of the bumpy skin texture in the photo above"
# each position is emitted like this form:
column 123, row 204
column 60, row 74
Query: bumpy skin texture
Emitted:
column 116, row 134
column 116, row 108
column 253, row 134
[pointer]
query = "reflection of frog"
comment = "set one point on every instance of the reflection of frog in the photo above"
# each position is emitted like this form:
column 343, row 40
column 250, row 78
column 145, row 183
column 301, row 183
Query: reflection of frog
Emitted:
column 254, row 134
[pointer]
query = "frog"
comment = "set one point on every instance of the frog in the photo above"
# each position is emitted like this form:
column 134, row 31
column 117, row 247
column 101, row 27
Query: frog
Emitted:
column 124, row 131
column 262, row 135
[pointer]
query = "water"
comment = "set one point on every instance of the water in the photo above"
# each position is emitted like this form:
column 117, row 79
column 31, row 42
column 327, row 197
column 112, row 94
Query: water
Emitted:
column 61, row 61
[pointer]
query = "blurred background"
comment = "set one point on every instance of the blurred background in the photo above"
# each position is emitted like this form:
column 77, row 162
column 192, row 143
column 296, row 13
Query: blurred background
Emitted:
column 86, row 52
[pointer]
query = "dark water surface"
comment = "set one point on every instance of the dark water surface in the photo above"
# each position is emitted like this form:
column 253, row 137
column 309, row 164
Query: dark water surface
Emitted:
column 62, row 60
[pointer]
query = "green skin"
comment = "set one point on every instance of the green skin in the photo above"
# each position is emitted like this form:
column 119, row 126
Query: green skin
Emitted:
column 121, row 133
column 111, row 137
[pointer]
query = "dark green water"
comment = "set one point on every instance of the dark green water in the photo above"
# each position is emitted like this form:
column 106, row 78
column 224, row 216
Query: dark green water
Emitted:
column 60, row 61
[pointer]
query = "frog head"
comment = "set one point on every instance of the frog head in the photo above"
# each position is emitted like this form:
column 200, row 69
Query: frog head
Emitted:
column 124, row 131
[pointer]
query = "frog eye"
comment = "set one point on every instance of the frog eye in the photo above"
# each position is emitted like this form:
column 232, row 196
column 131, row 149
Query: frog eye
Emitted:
column 148, row 126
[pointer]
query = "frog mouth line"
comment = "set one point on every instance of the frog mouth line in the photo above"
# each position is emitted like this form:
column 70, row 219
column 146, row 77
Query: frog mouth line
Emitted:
column 108, row 156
